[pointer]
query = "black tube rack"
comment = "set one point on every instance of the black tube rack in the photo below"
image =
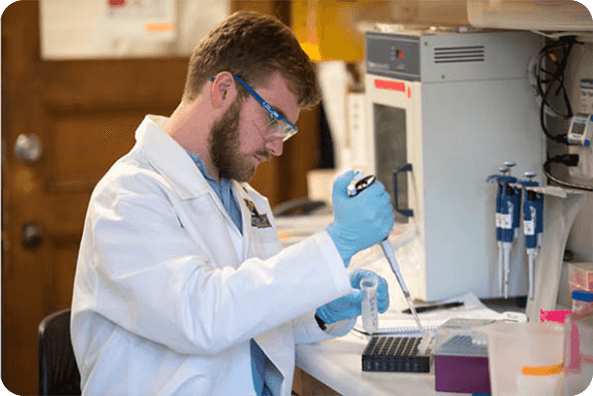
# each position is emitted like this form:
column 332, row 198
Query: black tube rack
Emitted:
column 394, row 354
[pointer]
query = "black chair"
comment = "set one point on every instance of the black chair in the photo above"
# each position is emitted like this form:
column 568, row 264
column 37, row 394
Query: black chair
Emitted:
column 58, row 372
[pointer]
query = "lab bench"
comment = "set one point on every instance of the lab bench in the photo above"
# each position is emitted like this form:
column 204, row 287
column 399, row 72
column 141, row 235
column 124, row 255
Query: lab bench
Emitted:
column 334, row 367
column 337, row 364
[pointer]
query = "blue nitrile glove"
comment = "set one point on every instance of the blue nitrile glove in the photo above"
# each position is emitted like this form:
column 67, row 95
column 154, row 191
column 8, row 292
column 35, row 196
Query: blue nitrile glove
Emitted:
column 360, row 221
column 349, row 306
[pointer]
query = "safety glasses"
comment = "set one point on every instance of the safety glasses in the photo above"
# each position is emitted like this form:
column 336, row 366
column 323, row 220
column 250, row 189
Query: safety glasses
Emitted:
column 278, row 125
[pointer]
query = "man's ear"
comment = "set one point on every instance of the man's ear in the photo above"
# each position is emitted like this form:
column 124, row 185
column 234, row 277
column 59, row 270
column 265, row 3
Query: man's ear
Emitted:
column 223, row 90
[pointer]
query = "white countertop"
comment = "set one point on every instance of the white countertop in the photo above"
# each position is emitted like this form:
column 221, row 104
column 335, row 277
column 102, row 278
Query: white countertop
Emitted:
column 338, row 364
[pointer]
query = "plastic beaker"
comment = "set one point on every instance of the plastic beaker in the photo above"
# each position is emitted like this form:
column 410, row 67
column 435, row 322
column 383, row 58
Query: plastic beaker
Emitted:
column 526, row 358
column 579, row 349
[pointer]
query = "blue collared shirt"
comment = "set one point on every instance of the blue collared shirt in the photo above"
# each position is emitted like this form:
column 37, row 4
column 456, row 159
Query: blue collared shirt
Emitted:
column 223, row 190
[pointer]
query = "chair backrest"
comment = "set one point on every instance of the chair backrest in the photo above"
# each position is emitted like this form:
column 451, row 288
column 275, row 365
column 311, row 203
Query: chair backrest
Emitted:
column 58, row 372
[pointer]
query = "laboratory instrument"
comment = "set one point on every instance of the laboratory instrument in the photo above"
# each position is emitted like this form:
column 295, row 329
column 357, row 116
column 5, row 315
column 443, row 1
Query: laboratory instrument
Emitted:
column 581, row 129
column 395, row 354
column 370, row 311
column 461, row 356
column 516, row 197
column 499, row 190
column 580, row 134
column 498, row 220
column 351, row 231
column 442, row 106
column 508, row 219
column 531, row 215
column 356, row 186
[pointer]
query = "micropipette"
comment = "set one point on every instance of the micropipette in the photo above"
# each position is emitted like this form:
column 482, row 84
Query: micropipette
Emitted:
column 354, row 189
column 390, row 255
column 498, row 221
column 508, row 216
column 539, row 224
column 516, row 203
column 530, row 220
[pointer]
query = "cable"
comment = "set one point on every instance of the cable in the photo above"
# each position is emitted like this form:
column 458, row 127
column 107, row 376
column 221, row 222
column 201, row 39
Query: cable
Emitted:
column 545, row 84
column 558, row 74
column 567, row 160
column 535, row 83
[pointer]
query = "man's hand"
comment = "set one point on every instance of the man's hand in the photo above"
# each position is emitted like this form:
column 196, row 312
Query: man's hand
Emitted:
column 360, row 221
column 349, row 306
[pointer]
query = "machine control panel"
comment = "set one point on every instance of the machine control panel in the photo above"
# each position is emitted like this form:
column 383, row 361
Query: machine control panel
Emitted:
column 392, row 55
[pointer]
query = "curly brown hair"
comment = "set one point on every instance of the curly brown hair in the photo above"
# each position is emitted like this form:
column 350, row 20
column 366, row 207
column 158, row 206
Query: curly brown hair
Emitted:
column 253, row 46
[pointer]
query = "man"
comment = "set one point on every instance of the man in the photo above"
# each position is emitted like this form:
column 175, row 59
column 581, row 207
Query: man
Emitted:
column 181, row 285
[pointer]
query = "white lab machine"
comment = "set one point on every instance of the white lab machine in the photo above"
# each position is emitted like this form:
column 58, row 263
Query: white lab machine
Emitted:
column 450, row 108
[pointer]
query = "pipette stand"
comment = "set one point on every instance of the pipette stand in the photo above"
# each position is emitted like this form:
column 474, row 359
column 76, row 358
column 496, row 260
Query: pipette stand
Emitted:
column 561, row 207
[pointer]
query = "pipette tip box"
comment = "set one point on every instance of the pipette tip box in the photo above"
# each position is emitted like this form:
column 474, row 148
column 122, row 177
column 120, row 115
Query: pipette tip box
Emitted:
column 461, row 357
column 394, row 354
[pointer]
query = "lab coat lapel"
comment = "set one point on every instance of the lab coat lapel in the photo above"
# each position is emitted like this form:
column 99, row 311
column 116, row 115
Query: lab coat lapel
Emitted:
column 274, row 342
column 235, row 240
column 171, row 160
column 241, row 195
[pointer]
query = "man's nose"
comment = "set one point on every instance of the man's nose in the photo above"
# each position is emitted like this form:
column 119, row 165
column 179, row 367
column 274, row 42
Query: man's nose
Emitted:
column 274, row 146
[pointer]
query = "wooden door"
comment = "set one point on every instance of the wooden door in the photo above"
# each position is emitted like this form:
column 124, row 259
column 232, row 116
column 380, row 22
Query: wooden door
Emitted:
column 84, row 114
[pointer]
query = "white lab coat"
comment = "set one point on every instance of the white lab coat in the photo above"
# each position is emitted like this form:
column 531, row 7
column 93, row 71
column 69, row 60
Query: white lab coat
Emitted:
column 168, row 293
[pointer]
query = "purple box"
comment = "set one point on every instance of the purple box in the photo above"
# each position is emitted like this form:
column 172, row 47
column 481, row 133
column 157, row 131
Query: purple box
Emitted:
column 462, row 374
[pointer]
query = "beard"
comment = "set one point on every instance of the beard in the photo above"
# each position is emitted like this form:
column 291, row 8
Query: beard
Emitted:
column 224, row 147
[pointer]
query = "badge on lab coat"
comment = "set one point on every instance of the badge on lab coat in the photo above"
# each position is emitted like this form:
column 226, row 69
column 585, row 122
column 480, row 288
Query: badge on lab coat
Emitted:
column 257, row 220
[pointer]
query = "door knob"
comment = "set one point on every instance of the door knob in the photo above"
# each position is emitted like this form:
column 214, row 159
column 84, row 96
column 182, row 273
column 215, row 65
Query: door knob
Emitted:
column 28, row 147
column 31, row 235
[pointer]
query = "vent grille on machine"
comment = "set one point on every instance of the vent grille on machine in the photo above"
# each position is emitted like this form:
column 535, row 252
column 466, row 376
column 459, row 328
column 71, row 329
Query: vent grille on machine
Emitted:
column 459, row 54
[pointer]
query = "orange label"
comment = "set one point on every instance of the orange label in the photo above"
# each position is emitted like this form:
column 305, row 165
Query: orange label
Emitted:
column 542, row 370
column 391, row 85
column 160, row 27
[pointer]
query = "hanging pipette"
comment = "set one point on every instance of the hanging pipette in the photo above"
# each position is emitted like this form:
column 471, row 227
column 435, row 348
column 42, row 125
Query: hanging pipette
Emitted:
column 507, row 219
column 516, row 202
column 357, row 185
column 498, row 221
column 530, row 220
column 539, row 224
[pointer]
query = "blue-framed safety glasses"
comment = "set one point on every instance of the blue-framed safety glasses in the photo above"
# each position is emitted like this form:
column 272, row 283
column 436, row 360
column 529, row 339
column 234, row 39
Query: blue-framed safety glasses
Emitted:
column 278, row 125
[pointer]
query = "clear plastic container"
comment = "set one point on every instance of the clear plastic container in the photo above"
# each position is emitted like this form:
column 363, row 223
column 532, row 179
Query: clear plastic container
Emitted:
column 526, row 358
column 580, row 276
column 581, row 300
column 370, row 313
column 579, row 345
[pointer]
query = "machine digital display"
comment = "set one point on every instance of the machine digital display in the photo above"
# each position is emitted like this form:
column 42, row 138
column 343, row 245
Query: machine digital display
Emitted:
column 578, row 131
column 578, row 128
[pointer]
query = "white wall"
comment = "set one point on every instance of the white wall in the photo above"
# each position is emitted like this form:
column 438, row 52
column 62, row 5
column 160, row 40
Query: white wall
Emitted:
column 75, row 29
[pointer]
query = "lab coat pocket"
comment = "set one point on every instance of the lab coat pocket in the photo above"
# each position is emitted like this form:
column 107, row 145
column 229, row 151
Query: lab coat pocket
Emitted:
column 208, row 226
column 265, row 243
